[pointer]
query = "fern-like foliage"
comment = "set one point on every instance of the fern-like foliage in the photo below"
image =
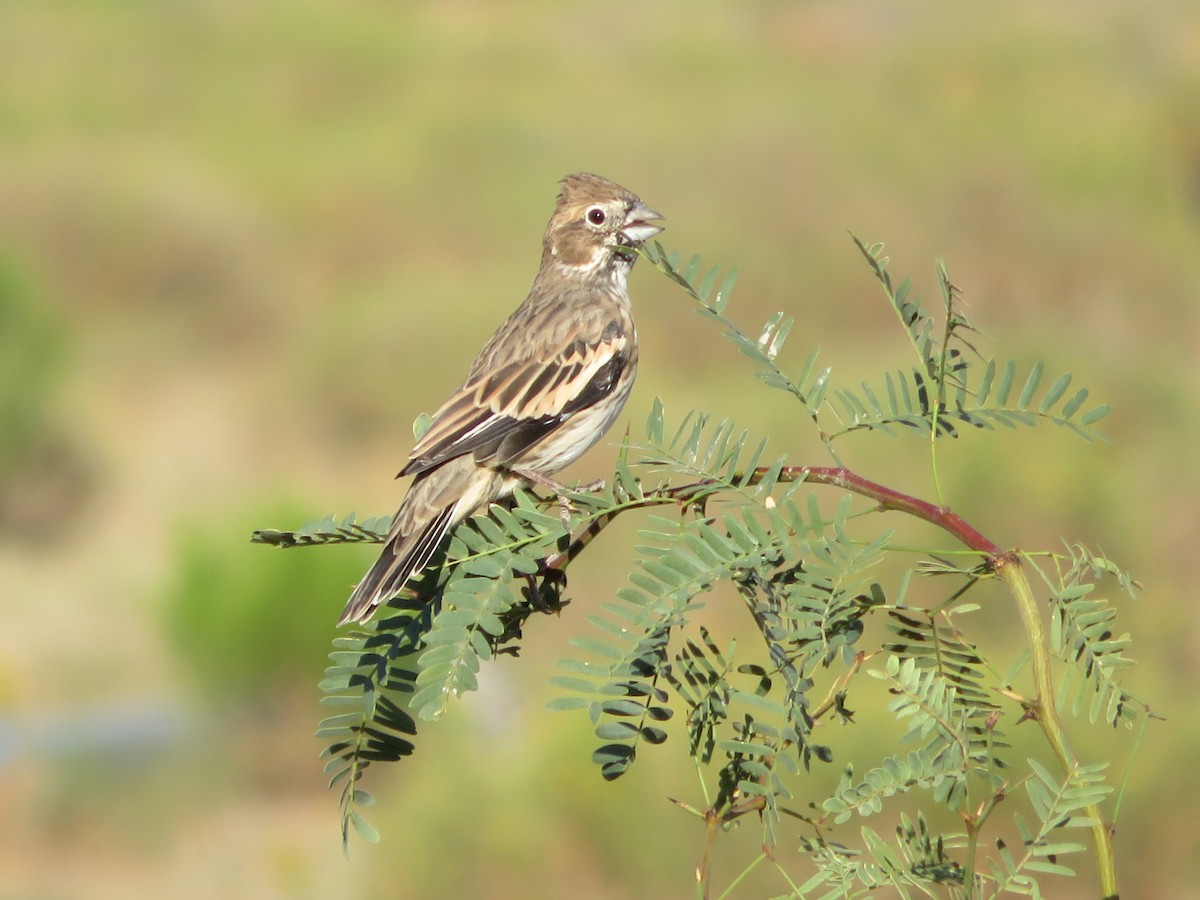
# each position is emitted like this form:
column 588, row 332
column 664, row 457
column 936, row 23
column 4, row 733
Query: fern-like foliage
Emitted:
column 917, row 861
column 427, row 645
column 724, row 518
column 364, row 683
column 329, row 530
column 1057, row 806
column 910, row 400
column 1083, row 634
column 711, row 292
column 953, row 736
column 805, row 582
column 922, row 859
column 941, row 358
column 948, row 388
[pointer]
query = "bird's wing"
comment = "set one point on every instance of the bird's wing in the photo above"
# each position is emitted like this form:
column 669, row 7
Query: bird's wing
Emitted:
column 503, row 410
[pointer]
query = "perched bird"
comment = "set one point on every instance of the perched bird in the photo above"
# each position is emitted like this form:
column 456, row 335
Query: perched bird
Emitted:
column 544, row 388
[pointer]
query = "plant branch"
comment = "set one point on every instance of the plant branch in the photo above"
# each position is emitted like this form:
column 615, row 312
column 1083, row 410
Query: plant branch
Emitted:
column 836, row 476
column 1005, row 563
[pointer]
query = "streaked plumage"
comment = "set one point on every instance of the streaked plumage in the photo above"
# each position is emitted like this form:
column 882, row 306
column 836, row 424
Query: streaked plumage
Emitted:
column 543, row 389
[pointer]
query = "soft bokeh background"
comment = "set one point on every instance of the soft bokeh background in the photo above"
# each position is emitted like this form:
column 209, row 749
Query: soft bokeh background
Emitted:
column 242, row 245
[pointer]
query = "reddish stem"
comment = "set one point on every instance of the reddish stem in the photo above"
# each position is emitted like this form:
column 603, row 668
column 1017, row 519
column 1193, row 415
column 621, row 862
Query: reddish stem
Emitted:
column 941, row 516
column 837, row 476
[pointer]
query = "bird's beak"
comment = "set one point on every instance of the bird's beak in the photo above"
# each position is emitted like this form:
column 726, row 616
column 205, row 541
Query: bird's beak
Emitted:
column 639, row 225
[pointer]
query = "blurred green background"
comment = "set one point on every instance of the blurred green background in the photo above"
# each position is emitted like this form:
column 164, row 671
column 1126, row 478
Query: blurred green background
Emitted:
column 242, row 245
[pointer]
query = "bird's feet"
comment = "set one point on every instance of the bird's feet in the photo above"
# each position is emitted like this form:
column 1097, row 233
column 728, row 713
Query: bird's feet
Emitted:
column 561, row 490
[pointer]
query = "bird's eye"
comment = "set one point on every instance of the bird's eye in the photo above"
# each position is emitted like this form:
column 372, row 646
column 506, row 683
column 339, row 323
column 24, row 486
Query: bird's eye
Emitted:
column 596, row 216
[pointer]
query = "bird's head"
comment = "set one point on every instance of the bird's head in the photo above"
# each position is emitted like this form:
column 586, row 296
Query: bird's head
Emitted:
column 595, row 226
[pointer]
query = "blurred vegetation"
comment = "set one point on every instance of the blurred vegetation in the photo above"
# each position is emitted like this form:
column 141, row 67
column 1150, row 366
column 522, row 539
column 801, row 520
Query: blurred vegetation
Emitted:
column 249, row 631
column 41, row 473
column 31, row 348
column 268, row 235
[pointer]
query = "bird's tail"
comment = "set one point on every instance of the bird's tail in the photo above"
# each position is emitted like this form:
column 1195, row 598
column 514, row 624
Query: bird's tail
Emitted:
column 405, row 553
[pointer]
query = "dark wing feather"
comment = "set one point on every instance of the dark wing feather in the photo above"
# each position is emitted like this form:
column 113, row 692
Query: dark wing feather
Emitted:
column 518, row 440
column 509, row 410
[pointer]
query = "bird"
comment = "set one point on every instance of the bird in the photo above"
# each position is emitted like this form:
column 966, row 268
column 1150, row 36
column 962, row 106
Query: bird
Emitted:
column 543, row 390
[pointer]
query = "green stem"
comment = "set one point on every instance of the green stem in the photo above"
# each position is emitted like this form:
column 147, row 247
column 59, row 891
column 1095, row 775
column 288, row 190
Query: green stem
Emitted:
column 1044, row 710
column 973, row 829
